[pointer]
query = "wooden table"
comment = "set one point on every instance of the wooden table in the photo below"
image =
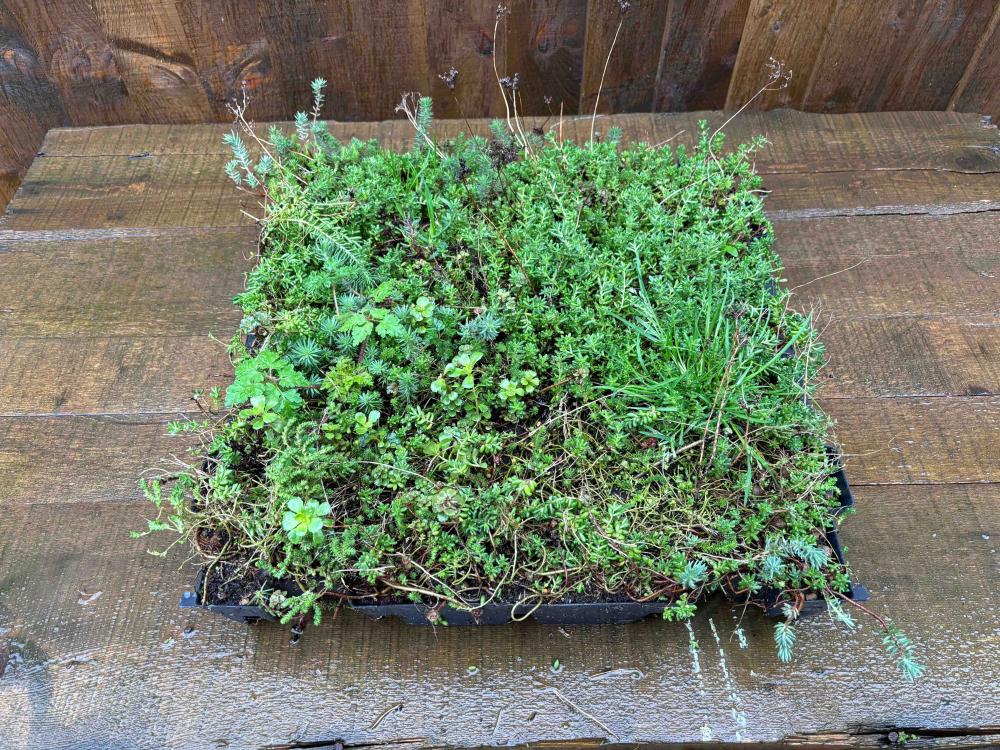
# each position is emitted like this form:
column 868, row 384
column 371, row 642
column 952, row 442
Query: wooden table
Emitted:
column 118, row 259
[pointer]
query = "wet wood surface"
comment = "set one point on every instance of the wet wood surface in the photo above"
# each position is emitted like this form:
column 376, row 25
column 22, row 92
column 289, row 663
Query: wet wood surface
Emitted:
column 116, row 279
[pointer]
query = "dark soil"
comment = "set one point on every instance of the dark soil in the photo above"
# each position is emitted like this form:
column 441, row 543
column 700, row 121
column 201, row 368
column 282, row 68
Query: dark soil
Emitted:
column 233, row 583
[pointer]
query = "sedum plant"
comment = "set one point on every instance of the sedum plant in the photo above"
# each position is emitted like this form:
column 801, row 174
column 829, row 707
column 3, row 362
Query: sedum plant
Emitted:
column 516, row 369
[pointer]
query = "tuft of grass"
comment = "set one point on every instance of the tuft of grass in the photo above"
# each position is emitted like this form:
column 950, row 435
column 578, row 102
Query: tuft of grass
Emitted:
column 515, row 369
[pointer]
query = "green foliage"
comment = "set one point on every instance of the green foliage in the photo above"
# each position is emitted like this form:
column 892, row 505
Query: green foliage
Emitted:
column 784, row 640
column 484, row 372
column 304, row 521
column 901, row 649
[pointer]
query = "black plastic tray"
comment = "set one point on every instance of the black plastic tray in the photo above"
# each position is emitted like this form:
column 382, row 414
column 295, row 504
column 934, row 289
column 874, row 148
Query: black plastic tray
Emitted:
column 584, row 613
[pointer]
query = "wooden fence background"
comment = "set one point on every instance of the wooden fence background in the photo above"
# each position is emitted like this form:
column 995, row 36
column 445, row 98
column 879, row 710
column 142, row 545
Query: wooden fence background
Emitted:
column 101, row 62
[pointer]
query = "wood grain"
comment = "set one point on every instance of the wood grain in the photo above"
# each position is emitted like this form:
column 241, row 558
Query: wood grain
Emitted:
column 544, row 44
column 74, row 51
column 28, row 103
column 128, row 191
column 910, row 355
column 109, row 375
column 798, row 141
column 906, row 192
column 172, row 285
column 152, row 54
column 979, row 88
column 75, row 459
column 630, row 77
column 789, row 31
column 701, row 44
column 230, row 54
column 919, row 440
column 922, row 49
column 460, row 36
column 183, row 61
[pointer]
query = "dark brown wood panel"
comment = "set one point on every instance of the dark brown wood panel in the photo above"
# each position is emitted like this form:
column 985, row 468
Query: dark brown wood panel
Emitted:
column 701, row 42
column 544, row 43
column 460, row 36
column 29, row 104
column 626, row 76
column 894, row 54
column 979, row 88
column 76, row 55
column 153, row 56
column 789, row 31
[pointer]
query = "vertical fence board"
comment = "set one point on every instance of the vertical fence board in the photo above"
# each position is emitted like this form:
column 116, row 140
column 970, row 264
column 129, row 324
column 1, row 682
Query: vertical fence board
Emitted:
column 979, row 88
column 791, row 31
column 544, row 44
column 895, row 54
column 701, row 43
column 460, row 35
column 231, row 55
column 388, row 43
column 29, row 104
column 630, row 80
column 75, row 53
column 151, row 51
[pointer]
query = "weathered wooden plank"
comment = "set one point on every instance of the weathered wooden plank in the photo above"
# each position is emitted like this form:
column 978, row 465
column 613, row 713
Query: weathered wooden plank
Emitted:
column 626, row 76
column 154, row 59
column 701, row 43
column 185, row 190
column 969, row 242
column 799, row 142
column 176, row 284
column 879, row 266
column 864, row 193
column 790, row 31
column 909, row 355
column 922, row 48
column 917, row 440
column 123, row 191
column 94, row 375
column 890, row 287
column 64, row 639
column 977, row 90
column 86, row 458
